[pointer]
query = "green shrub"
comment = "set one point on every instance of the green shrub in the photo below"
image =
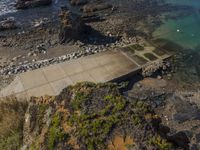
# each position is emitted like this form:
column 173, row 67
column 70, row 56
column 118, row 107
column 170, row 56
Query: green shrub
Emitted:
column 160, row 143
column 55, row 132
column 80, row 98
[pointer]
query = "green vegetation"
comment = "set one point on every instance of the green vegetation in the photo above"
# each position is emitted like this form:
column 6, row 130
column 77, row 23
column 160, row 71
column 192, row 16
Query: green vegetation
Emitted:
column 80, row 98
column 95, row 122
column 141, row 107
column 86, row 116
column 42, row 109
column 11, row 142
column 160, row 143
column 55, row 134
column 94, row 125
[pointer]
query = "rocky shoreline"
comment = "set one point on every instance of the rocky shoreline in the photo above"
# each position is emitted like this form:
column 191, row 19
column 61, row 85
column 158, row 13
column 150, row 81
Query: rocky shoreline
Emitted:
column 145, row 113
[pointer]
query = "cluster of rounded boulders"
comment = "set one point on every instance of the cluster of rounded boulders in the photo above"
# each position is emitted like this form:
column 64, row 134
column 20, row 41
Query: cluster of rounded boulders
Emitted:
column 24, row 4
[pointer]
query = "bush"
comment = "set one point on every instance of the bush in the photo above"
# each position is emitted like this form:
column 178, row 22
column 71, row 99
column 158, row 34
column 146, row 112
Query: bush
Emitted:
column 55, row 132
column 160, row 143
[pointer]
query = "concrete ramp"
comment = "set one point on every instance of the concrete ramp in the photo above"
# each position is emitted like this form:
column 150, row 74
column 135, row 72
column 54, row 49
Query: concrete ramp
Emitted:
column 101, row 67
column 50, row 80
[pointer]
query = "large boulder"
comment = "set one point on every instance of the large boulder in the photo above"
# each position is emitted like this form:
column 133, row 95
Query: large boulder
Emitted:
column 71, row 26
column 24, row 4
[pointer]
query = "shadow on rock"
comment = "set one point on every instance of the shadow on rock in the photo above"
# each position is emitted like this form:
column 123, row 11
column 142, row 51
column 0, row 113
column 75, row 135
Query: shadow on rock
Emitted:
column 73, row 28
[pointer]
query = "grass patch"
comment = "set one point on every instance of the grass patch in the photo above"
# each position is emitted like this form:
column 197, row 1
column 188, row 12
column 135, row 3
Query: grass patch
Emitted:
column 11, row 142
column 11, row 122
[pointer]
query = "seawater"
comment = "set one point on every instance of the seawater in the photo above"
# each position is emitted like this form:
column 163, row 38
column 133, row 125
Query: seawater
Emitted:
column 24, row 17
column 184, row 31
column 7, row 6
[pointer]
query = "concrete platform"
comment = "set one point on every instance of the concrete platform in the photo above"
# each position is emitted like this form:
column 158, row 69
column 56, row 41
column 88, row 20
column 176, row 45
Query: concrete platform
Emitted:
column 101, row 67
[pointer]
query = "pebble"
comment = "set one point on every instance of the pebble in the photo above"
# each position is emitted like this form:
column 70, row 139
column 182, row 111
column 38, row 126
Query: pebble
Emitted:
column 29, row 54
column 159, row 77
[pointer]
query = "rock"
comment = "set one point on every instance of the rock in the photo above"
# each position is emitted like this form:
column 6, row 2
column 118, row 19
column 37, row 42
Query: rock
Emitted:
column 180, row 139
column 14, row 59
column 159, row 77
column 24, row 4
column 29, row 54
column 78, row 2
column 7, row 24
column 40, row 48
column 71, row 26
column 92, row 7
column 184, row 112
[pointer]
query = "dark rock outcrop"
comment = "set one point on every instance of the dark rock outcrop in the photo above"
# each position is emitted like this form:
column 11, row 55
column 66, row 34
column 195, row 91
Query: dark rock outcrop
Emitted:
column 24, row 4
column 180, row 139
column 78, row 2
column 71, row 26
column 184, row 112
column 92, row 7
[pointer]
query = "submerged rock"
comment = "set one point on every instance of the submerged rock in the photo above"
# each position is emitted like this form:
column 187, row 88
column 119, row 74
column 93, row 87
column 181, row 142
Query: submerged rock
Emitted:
column 78, row 2
column 92, row 7
column 23, row 4
column 8, row 23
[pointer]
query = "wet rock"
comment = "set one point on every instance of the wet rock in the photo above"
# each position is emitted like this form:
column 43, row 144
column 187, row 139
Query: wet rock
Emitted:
column 24, row 4
column 78, row 2
column 92, row 7
column 181, row 140
column 8, row 23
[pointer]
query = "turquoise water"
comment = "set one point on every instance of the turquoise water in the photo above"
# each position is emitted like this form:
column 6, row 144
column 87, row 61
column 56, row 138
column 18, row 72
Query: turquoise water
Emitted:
column 184, row 31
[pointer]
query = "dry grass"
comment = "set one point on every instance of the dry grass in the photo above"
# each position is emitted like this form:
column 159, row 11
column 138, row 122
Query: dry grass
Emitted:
column 11, row 122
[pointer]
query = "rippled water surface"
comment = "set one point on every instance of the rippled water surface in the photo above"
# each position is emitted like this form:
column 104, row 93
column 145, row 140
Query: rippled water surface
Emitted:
column 7, row 6
column 7, row 9
column 184, row 31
